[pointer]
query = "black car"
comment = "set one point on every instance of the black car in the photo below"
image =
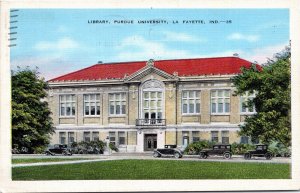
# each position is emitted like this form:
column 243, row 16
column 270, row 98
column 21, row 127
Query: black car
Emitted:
column 58, row 149
column 169, row 150
column 260, row 151
column 220, row 150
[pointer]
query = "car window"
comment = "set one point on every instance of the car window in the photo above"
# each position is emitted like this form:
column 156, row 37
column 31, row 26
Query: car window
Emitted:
column 259, row 147
column 216, row 147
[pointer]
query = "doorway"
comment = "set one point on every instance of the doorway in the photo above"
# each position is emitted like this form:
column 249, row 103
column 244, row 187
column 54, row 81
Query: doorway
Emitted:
column 150, row 142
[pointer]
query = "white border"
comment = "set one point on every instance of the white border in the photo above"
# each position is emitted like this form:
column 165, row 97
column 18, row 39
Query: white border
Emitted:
column 6, row 185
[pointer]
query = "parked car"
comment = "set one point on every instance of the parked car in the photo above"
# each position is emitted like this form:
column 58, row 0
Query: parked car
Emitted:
column 219, row 150
column 169, row 150
column 58, row 149
column 260, row 151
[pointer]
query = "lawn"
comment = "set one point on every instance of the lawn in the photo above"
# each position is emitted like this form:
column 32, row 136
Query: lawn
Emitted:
column 36, row 160
column 153, row 169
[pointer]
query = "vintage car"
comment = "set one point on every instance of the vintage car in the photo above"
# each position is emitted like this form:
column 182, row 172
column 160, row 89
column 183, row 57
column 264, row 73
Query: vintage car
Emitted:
column 169, row 150
column 260, row 151
column 58, row 149
column 219, row 150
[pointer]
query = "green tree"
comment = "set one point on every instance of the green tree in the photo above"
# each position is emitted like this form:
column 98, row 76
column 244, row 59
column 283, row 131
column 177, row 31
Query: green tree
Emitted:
column 31, row 121
column 272, row 85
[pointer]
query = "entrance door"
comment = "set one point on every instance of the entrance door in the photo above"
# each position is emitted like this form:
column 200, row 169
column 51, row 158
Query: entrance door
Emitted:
column 150, row 142
column 185, row 141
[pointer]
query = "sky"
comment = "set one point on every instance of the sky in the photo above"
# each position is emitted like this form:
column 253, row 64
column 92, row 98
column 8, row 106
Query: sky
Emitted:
column 59, row 41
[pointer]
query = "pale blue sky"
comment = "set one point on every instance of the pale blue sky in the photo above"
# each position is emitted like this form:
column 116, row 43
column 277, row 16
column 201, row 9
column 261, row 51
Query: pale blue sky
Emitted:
column 61, row 40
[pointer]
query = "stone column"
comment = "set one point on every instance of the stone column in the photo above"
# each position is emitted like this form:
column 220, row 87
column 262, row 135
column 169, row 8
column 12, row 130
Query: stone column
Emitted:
column 205, row 106
column 133, row 104
column 105, row 108
column 234, row 109
column 79, row 109
column 170, row 104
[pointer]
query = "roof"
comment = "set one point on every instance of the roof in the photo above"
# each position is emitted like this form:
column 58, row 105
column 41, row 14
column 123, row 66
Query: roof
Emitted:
column 182, row 67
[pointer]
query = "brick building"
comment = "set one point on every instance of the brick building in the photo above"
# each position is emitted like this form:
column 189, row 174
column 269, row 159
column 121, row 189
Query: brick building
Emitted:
column 140, row 106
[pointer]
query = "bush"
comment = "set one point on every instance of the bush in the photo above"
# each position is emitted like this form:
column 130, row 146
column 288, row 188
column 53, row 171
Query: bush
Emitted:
column 113, row 147
column 39, row 150
column 195, row 147
column 92, row 147
column 240, row 148
column 279, row 150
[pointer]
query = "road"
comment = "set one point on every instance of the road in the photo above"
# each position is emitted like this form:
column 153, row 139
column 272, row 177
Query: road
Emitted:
column 141, row 156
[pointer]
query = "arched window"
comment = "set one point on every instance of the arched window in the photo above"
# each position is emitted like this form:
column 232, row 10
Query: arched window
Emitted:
column 152, row 100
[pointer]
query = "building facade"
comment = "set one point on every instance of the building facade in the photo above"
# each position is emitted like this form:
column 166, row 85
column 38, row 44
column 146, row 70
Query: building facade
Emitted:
column 140, row 106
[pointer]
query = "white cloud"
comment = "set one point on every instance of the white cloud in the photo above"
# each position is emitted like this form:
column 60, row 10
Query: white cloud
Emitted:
column 239, row 36
column 261, row 55
column 47, row 66
column 138, row 48
column 183, row 37
column 61, row 44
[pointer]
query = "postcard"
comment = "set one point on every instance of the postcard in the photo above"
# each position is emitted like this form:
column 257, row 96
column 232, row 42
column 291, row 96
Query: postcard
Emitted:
column 153, row 96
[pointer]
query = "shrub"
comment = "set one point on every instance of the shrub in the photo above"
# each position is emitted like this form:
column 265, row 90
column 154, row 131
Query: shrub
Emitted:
column 113, row 147
column 240, row 148
column 195, row 147
column 39, row 150
column 92, row 147
column 279, row 150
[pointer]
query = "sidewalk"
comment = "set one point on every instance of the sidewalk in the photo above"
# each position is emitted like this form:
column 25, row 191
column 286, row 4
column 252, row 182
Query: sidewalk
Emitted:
column 142, row 156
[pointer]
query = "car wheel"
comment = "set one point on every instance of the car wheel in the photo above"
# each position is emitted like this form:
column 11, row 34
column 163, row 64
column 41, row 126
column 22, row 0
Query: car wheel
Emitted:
column 227, row 155
column 65, row 153
column 203, row 156
column 47, row 153
column 155, row 154
column 268, row 156
column 247, row 156
column 177, row 155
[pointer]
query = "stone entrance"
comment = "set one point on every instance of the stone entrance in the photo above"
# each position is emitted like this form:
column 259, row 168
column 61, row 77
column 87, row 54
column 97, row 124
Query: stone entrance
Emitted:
column 150, row 142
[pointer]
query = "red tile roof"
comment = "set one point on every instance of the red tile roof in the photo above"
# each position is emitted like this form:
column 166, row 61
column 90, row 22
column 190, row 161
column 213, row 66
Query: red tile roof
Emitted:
column 184, row 67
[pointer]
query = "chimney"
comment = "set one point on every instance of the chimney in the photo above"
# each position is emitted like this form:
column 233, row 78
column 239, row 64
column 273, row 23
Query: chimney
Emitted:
column 236, row 55
column 100, row 62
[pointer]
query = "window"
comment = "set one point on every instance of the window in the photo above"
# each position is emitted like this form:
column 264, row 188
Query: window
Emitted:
column 244, row 140
column 190, row 102
column 71, row 137
column 152, row 105
column 214, row 136
column 220, row 101
column 117, row 104
column 196, row 136
column 87, row 136
column 121, row 137
column 225, row 137
column 91, row 104
column 67, row 105
column 95, row 136
column 62, row 137
column 112, row 137
column 245, row 107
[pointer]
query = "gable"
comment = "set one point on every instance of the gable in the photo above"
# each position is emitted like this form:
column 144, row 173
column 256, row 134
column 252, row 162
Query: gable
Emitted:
column 150, row 72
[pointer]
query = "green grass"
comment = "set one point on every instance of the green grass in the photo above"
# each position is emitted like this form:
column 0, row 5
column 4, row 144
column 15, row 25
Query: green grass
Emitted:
column 36, row 160
column 153, row 169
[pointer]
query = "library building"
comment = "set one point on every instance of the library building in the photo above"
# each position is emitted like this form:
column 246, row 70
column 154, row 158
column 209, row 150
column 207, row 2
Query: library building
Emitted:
column 143, row 105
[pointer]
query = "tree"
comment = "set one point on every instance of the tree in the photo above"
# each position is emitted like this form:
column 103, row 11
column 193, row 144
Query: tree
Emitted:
column 31, row 121
column 272, row 86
